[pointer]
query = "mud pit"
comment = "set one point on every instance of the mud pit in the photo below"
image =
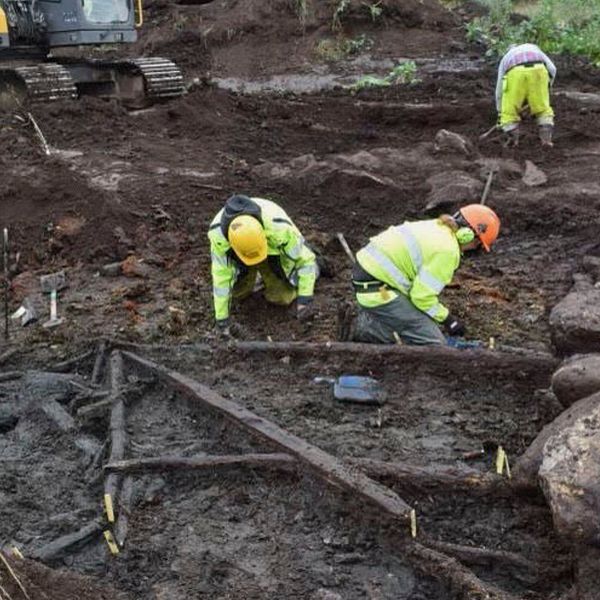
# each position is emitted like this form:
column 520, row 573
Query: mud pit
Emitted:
column 144, row 185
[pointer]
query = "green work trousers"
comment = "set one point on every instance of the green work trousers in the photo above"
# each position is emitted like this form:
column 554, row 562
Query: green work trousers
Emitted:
column 526, row 85
column 276, row 290
column 377, row 325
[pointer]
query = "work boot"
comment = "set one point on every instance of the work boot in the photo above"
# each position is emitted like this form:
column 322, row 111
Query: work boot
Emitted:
column 511, row 138
column 546, row 135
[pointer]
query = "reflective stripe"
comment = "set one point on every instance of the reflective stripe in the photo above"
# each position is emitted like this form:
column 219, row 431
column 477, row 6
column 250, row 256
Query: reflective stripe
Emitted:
column 306, row 270
column 295, row 252
column 412, row 245
column 401, row 282
column 219, row 259
column 429, row 280
column 221, row 292
column 433, row 311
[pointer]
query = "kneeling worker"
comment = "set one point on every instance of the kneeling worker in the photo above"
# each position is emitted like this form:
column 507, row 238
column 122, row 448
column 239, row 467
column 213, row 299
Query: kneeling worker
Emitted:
column 251, row 236
column 525, row 74
column 400, row 273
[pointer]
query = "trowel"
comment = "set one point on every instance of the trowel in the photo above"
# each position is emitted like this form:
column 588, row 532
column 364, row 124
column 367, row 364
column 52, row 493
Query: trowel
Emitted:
column 355, row 388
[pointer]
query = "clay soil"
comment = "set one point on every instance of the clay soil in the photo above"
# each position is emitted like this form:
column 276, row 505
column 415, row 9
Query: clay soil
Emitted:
column 141, row 186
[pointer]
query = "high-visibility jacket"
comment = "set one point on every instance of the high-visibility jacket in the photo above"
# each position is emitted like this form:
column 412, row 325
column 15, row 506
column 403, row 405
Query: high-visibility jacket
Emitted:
column 415, row 259
column 284, row 240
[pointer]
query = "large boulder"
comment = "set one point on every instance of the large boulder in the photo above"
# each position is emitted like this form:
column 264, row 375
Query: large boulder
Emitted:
column 451, row 189
column 528, row 465
column 570, row 477
column 575, row 320
column 577, row 378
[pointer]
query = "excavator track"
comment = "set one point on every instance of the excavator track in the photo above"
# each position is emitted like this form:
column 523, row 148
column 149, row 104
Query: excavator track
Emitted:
column 39, row 83
column 162, row 77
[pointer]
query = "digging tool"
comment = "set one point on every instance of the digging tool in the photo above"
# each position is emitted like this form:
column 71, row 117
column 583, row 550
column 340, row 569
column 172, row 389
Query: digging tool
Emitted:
column 52, row 283
column 488, row 132
column 488, row 185
column 6, row 284
column 346, row 247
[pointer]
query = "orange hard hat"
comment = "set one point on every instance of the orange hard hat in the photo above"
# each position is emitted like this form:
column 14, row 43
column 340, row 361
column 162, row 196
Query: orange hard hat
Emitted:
column 483, row 221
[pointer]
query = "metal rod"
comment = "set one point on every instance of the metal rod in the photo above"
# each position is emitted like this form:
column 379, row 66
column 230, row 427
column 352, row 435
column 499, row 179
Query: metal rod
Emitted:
column 40, row 135
column 488, row 185
column 6, row 283
column 346, row 247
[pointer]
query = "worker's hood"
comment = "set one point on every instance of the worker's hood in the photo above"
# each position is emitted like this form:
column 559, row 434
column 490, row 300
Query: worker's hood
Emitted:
column 239, row 205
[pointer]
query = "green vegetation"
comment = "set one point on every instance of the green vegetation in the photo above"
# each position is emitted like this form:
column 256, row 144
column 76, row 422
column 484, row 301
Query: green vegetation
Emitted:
column 557, row 26
column 375, row 10
column 403, row 73
column 338, row 13
column 336, row 49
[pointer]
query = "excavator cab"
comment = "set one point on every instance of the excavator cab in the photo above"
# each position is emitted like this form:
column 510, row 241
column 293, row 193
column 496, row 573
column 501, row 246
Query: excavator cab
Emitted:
column 32, row 30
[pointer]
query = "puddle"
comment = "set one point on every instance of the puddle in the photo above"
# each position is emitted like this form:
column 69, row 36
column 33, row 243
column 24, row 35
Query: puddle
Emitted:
column 321, row 78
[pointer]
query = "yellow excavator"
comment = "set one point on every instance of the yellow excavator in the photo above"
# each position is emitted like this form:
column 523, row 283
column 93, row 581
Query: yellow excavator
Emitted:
column 31, row 69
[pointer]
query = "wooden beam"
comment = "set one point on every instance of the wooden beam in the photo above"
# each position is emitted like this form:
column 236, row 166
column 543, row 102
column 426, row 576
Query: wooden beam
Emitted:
column 172, row 463
column 67, row 543
column 328, row 467
column 444, row 356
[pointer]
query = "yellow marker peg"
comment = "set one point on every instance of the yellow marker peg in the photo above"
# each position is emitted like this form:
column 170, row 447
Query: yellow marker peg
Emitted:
column 507, row 466
column 492, row 344
column 500, row 460
column 110, row 540
column 16, row 552
column 413, row 523
column 108, row 507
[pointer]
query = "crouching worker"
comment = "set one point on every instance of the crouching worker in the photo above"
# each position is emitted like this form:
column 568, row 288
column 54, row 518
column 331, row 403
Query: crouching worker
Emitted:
column 252, row 236
column 400, row 273
column 525, row 74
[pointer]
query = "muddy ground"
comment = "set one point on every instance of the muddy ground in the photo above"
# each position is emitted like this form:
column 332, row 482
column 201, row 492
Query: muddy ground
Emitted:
column 142, row 186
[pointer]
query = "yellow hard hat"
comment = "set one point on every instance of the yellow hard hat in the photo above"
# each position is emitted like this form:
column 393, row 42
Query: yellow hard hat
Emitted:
column 248, row 240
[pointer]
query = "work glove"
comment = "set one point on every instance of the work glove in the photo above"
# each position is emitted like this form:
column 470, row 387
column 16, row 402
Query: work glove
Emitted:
column 453, row 326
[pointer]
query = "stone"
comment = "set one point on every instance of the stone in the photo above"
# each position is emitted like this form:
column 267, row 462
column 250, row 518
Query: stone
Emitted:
column 452, row 188
column 112, row 269
column 525, row 471
column 8, row 419
column 533, row 175
column 325, row 594
column 450, row 142
column 570, row 477
column 134, row 267
column 503, row 167
column 577, row 378
column 591, row 264
column 590, row 100
column 575, row 321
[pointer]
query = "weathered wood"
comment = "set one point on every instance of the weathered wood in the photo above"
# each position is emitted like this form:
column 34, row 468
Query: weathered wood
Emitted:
column 472, row 555
column 67, row 544
column 54, row 411
column 463, row 582
column 67, row 365
column 171, row 463
column 117, row 433
column 7, row 354
column 10, row 375
column 125, row 502
column 97, row 408
column 86, row 398
column 98, row 370
column 437, row 478
column 444, row 356
column 331, row 469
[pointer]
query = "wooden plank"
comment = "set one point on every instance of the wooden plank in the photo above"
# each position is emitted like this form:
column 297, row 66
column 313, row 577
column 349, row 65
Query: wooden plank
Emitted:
column 449, row 358
column 330, row 468
column 171, row 463
column 68, row 543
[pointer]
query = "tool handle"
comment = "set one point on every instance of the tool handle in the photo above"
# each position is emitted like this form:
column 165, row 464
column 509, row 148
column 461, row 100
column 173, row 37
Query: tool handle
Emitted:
column 53, row 307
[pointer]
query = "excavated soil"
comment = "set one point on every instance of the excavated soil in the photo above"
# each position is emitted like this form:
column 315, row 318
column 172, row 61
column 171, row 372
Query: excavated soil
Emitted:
column 142, row 186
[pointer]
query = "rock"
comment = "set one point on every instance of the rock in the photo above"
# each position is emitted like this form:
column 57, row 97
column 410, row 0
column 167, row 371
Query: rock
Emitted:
column 448, row 141
column 570, row 477
column 112, row 269
column 533, row 175
column 8, row 419
column 69, row 226
column 23, row 285
column 587, row 99
column 503, row 167
column 575, row 321
column 134, row 267
column 526, row 468
column 591, row 264
column 577, row 378
column 324, row 594
column 451, row 188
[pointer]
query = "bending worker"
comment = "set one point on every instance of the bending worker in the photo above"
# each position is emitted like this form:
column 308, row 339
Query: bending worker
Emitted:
column 400, row 273
column 251, row 236
column 524, row 78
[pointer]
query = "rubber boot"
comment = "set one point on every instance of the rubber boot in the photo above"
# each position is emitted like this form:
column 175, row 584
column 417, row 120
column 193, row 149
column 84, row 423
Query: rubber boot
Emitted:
column 546, row 135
